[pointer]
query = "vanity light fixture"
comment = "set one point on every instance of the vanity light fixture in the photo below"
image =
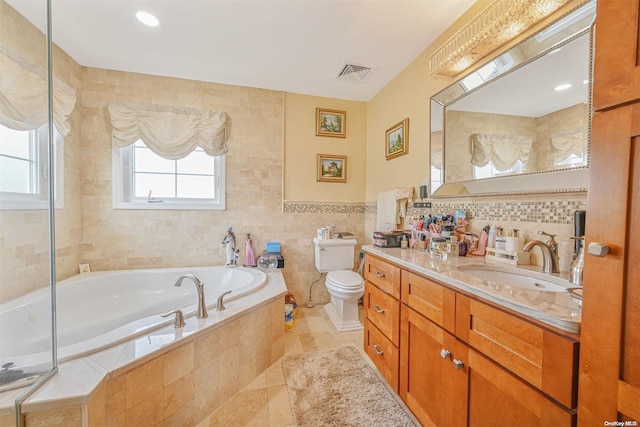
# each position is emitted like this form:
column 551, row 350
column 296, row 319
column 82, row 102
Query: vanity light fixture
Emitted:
column 147, row 19
column 562, row 87
column 499, row 23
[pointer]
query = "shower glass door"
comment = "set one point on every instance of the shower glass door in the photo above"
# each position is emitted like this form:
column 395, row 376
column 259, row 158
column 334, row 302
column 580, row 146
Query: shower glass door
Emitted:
column 27, row 267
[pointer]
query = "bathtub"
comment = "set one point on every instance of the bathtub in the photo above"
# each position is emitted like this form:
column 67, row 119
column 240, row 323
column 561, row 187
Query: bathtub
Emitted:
column 100, row 309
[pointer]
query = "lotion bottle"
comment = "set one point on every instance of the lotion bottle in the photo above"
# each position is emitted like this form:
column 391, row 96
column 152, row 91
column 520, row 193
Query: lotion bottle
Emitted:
column 491, row 243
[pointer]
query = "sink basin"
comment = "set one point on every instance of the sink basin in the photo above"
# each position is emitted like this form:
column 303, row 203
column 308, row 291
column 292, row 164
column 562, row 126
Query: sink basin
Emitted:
column 517, row 277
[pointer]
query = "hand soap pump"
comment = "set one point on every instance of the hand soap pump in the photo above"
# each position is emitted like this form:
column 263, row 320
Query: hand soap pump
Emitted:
column 575, row 273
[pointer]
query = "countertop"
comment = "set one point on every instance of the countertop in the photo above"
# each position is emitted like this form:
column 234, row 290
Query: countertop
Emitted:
column 557, row 309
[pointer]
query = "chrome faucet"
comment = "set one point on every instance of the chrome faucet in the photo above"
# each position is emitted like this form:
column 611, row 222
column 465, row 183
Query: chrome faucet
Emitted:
column 202, row 306
column 550, row 261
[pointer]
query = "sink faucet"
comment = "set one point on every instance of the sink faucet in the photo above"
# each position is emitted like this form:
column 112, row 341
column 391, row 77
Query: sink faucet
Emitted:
column 550, row 262
column 202, row 306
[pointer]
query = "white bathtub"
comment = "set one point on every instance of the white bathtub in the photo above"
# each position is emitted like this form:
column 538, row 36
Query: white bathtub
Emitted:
column 99, row 309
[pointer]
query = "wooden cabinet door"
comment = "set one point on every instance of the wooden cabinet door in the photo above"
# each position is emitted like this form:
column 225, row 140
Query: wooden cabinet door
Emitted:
column 617, row 59
column 497, row 398
column 609, row 374
column 429, row 383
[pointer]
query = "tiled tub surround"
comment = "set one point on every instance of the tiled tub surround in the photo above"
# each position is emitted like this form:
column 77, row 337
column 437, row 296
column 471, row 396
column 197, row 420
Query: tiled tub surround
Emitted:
column 553, row 308
column 169, row 376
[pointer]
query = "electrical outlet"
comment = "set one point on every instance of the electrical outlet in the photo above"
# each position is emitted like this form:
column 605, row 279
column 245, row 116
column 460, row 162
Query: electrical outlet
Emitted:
column 422, row 204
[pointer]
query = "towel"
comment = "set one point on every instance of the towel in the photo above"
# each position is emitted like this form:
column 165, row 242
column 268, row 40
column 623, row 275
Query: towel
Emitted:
column 387, row 207
column 402, row 196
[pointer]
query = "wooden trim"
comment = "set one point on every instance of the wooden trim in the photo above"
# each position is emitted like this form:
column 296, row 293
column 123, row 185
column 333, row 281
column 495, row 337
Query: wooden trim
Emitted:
column 629, row 400
column 604, row 277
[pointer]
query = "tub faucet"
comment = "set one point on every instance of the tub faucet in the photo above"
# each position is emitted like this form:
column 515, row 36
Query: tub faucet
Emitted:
column 220, row 305
column 202, row 306
column 550, row 261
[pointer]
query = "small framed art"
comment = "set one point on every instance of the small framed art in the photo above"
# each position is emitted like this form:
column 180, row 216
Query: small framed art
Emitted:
column 332, row 123
column 397, row 140
column 332, row 168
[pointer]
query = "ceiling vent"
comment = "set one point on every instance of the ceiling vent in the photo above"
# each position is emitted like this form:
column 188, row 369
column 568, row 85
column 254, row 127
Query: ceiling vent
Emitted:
column 354, row 72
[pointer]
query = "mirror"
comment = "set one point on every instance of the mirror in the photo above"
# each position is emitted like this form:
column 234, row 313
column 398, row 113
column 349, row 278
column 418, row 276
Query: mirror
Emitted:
column 519, row 123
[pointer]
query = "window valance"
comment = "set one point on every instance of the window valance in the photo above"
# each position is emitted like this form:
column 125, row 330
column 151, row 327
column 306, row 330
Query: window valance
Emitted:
column 170, row 132
column 503, row 151
column 24, row 95
column 564, row 144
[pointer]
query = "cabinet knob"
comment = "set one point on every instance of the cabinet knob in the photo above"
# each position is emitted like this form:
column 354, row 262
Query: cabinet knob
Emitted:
column 598, row 249
column 378, row 309
column 378, row 274
column 458, row 364
column 444, row 353
column 377, row 350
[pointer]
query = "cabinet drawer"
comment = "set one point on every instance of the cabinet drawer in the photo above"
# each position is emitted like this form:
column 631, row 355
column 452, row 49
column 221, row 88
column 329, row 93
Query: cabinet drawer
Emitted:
column 433, row 301
column 542, row 358
column 384, row 275
column 382, row 352
column 383, row 311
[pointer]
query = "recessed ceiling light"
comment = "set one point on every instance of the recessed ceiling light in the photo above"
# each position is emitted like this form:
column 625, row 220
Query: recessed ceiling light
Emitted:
column 564, row 86
column 147, row 19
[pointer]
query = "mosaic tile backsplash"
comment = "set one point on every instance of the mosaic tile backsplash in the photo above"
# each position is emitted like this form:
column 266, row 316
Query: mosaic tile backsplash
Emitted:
column 546, row 212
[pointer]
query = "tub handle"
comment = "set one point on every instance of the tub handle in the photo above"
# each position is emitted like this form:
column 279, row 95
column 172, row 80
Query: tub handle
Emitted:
column 178, row 321
column 220, row 305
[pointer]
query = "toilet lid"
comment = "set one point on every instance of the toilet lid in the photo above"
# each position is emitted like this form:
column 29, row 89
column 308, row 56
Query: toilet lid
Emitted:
column 345, row 279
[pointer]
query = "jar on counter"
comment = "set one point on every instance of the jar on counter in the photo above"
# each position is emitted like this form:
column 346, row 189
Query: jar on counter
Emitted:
column 439, row 248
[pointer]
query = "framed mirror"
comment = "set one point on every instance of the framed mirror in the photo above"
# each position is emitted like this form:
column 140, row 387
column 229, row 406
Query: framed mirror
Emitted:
column 519, row 123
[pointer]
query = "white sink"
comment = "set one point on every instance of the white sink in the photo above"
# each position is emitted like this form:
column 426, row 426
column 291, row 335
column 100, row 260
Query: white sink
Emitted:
column 517, row 277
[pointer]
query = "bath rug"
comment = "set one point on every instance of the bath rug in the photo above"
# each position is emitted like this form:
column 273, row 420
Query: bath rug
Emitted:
column 338, row 388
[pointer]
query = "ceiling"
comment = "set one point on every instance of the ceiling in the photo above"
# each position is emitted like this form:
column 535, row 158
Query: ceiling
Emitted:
column 290, row 45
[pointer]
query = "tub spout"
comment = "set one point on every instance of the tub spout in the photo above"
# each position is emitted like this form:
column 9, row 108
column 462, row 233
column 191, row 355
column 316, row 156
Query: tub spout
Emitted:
column 202, row 306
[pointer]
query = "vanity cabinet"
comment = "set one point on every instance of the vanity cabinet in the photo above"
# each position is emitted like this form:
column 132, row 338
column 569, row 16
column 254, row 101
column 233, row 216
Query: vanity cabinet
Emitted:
column 467, row 362
column 382, row 317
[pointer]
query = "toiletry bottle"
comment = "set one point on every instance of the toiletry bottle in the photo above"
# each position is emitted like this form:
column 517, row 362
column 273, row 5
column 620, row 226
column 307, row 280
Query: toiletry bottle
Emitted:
column 491, row 242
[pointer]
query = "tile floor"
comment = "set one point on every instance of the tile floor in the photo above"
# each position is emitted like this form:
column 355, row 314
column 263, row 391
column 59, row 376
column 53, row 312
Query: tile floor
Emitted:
column 265, row 402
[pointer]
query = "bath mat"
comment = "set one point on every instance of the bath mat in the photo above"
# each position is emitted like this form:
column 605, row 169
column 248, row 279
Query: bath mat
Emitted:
column 338, row 388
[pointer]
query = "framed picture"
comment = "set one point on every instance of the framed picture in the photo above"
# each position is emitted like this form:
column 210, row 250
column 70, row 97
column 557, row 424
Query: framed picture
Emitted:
column 332, row 168
column 331, row 123
column 397, row 140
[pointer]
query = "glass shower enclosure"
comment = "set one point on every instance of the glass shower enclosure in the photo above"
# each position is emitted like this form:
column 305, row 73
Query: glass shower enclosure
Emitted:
column 27, row 205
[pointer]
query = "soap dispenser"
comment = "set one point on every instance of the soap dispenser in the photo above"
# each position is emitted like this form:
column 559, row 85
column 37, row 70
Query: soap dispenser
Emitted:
column 575, row 273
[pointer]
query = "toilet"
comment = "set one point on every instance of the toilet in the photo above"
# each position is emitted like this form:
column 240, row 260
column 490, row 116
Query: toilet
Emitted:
column 335, row 257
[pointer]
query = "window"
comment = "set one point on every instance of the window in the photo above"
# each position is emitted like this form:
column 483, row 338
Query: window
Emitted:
column 24, row 168
column 145, row 180
column 490, row 171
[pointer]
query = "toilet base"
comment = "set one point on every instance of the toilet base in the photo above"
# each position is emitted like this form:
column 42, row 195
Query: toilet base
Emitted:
column 345, row 318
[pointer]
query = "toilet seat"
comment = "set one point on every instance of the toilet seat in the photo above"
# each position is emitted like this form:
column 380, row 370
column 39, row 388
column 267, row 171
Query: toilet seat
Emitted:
column 345, row 279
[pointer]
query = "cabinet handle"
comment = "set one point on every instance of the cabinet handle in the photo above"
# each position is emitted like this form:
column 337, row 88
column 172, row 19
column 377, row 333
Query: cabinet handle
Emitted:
column 377, row 350
column 458, row 364
column 378, row 274
column 598, row 249
column 378, row 309
column 445, row 354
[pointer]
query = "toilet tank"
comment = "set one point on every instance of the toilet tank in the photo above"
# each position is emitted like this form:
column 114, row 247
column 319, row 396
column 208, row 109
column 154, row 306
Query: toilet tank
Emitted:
column 334, row 254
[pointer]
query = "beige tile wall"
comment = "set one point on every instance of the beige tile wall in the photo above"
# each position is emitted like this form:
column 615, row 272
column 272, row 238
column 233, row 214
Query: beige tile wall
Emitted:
column 24, row 235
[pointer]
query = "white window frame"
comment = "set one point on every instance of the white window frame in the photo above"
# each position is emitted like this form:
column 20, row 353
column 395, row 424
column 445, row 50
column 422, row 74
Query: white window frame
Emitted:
column 40, row 199
column 123, row 193
column 490, row 171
